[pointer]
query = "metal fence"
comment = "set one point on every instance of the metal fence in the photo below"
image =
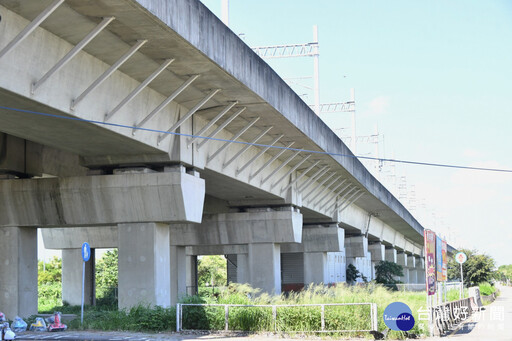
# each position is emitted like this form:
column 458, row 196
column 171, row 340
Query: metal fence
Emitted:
column 372, row 315
column 406, row 287
column 447, row 315
column 421, row 286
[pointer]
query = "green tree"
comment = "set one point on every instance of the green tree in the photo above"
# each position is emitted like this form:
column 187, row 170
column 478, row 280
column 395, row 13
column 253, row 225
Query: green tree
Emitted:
column 49, row 272
column 352, row 273
column 386, row 272
column 107, row 275
column 477, row 269
column 506, row 270
column 212, row 270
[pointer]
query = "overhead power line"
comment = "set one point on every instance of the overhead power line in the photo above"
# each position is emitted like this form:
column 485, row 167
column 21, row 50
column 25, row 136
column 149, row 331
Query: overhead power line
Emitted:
column 419, row 163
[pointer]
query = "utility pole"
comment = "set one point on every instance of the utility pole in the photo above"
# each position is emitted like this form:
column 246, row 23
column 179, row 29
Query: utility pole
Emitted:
column 298, row 50
column 225, row 12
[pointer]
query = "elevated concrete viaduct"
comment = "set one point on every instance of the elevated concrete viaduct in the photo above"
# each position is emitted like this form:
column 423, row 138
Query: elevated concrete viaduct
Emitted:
column 104, row 110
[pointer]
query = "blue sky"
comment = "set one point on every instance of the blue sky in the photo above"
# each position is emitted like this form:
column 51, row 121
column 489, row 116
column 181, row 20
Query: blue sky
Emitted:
column 435, row 77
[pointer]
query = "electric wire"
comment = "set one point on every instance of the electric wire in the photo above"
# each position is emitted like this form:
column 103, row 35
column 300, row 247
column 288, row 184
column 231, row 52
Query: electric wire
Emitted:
column 418, row 163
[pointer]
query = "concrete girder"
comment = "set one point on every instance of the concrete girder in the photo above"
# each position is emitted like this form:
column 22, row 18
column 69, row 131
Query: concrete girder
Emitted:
column 211, row 122
column 102, row 200
column 98, row 237
column 72, row 53
column 216, row 250
column 358, row 218
column 166, row 102
column 139, row 88
column 241, row 228
column 31, row 27
column 108, row 72
column 318, row 239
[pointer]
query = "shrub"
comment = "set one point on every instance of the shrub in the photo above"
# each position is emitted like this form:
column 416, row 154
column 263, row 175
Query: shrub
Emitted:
column 486, row 289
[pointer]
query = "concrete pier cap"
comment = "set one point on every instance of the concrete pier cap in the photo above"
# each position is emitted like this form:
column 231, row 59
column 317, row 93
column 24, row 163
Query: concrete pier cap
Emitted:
column 102, row 199
column 261, row 226
column 318, row 238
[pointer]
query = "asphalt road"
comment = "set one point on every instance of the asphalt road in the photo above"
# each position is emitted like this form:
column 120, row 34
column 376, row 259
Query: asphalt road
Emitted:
column 493, row 324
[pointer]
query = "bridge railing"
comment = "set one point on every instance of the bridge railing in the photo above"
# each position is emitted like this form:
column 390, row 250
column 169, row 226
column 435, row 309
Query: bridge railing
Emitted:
column 447, row 315
column 271, row 317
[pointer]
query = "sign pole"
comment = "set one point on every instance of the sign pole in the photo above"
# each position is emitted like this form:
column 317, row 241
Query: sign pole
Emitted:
column 460, row 258
column 86, row 254
column 83, row 290
column 461, row 283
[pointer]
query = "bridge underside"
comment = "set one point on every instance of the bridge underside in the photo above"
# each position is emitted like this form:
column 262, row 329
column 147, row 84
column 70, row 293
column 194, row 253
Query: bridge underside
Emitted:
column 72, row 164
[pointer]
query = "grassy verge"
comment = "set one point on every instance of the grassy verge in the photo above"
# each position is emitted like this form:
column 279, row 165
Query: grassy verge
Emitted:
column 289, row 319
column 486, row 289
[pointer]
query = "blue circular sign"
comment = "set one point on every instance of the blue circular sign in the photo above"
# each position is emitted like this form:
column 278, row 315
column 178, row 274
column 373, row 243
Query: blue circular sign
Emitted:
column 398, row 316
column 86, row 251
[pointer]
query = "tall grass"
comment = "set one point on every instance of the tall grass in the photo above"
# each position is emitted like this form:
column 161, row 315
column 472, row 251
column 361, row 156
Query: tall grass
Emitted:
column 289, row 319
column 305, row 319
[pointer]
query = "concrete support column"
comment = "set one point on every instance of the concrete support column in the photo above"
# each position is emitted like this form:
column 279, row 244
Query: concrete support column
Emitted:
column 191, row 264
column 144, row 264
column 238, row 268
column 264, row 261
column 72, row 267
column 402, row 261
column 18, row 271
column 178, row 275
column 420, row 268
column 411, row 263
column 315, row 268
column 242, row 270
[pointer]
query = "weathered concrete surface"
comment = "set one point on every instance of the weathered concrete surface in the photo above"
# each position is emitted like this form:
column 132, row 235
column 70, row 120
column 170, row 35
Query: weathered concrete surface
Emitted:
column 391, row 255
column 18, row 269
column 144, row 265
column 378, row 251
column 216, row 58
column 356, row 246
column 402, row 259
column 102, row 200
column 241, row 228
column 318, row 239
column 72, row 264
column 98, row 237
column 227, row 51
column 264, row 262
column 315, row 268
column 178, row 274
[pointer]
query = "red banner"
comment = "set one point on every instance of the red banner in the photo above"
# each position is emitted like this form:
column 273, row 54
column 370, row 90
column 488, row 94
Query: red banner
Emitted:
column 430, row 261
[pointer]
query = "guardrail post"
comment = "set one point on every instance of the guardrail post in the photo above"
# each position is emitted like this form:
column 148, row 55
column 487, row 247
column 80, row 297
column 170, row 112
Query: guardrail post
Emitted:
column 375, row 322
column 226, row 317
column 274, row 316
column 177, row 317
column 323, row 317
